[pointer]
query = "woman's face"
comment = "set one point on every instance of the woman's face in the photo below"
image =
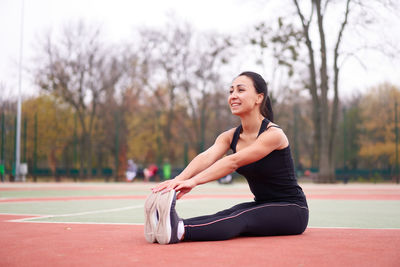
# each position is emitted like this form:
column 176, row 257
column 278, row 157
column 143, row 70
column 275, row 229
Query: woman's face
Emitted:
column 243, row 97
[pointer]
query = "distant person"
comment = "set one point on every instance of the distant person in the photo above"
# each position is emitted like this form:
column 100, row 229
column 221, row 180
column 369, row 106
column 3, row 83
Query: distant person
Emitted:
column 167, row 171
column 131, row 171
column 261, row 153
column 150, row 172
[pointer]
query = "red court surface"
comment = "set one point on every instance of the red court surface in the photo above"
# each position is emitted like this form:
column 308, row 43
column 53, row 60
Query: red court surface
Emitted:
column 66, row 244
column 91, row 244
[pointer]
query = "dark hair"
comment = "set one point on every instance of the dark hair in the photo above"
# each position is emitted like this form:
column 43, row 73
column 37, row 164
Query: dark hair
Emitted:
column 261, row 88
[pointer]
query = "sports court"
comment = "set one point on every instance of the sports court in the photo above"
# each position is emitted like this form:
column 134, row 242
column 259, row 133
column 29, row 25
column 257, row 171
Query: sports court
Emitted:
column 101, row 224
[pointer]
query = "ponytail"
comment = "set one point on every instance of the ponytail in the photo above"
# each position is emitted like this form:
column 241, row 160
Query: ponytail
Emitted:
column 266, row 108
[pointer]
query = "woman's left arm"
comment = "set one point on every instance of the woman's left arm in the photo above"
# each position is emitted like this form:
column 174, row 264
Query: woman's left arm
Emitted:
column 267, row 142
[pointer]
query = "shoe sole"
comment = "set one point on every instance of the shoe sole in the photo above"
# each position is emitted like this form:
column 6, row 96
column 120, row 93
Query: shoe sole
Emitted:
column 163, row 232
column 150, row 217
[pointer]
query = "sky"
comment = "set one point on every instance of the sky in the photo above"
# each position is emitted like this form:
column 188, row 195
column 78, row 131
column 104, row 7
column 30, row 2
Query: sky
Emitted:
column 118, row 18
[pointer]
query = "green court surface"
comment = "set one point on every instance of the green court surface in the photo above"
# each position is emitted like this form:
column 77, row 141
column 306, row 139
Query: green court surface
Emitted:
column 336, row 206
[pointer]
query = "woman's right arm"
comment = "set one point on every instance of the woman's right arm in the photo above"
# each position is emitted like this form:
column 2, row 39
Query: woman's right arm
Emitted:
column 203, row 160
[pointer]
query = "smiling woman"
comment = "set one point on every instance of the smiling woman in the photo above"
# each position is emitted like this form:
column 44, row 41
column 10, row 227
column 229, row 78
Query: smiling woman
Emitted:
column 244, row 85
column 261, row 153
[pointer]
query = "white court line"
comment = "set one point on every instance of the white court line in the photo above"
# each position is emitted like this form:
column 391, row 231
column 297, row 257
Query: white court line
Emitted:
column 49, row 199
column 87, row 223
column 22, row 214
column 77, row 214
column 38, row 217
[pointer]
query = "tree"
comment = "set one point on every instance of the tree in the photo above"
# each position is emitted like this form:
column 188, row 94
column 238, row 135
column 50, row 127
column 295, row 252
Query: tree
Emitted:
column 349, row 134
column 321, row 49
column 165, row 51
column 8, row 121
column 324, row 126
column 54, row 120
column 378, row 138
column 185, row 67
column 207, row 56
column 79, row 69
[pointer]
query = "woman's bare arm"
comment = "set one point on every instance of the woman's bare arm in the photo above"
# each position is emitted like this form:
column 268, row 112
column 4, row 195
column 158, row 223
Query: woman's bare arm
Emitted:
column 203, row 160
column 265, row 144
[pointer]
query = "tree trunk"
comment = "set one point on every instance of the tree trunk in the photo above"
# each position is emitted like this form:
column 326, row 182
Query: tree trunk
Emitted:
column 326, row 171
column 335, row 105
column 313, row 87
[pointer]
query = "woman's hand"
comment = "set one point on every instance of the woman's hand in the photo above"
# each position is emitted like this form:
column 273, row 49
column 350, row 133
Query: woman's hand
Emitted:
column 166, row 185
column 183, row 187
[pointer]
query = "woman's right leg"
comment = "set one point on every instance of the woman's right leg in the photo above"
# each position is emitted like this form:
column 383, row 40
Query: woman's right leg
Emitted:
column 222, row 213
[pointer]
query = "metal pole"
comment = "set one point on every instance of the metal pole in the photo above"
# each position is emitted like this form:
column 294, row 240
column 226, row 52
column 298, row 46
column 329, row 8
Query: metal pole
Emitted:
column 75, row 159
column 18, row 134
column 344, row 139
column 25, row 136
column 35, row 150
column 116, row 145
column 296, row 149
column 13, row 169
column 159, row 154
column 75, row 140
column 397, row 142
column 203, row 130
column 186, row 154
column 3, row 141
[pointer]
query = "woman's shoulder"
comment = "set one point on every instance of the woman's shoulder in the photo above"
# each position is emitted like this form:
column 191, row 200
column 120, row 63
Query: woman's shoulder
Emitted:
column 273, row 130
column 272, row 127
column 226, row 136
column 228, row 133
column 271, row 124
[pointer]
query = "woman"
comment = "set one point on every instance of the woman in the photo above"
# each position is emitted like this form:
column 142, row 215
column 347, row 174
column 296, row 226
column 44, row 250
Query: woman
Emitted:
column 261, row 153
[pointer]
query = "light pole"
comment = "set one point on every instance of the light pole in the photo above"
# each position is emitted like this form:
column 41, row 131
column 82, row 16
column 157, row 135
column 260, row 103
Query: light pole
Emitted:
column 18, row 133
column 397, row 141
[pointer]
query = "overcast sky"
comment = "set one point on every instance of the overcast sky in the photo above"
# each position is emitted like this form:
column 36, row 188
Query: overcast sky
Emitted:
column 118, row 18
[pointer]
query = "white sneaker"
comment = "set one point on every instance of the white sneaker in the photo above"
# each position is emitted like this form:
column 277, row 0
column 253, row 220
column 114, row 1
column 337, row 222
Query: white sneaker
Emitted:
column 151, row 217
column 167, row 227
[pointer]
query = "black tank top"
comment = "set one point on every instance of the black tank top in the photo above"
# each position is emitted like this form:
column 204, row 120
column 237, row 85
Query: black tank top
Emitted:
column 272, row 178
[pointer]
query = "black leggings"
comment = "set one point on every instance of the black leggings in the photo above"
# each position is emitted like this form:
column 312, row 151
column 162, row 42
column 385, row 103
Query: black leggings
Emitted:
column 248, row 219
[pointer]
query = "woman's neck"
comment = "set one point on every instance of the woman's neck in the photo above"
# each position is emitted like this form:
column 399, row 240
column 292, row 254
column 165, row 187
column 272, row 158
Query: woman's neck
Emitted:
column 251, row 124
